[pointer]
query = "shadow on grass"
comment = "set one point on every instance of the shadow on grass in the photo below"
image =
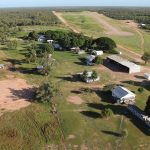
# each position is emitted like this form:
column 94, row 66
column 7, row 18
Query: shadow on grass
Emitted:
column 145, row 84
column 122, row 110
column 26, row 93
column 15, row 61
column 112, row 133
column 91, row 114
column 139, row 77
column 82, row 61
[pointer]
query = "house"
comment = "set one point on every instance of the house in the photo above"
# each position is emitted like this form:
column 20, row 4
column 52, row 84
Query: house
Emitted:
column 123, row 95
column 39, row 67
column 97, row 52
column 90, row 59
column 89, row 78
column 124, row 64
column 41, row 38
column 147, row 76
column 139, row 114
column 2, row 66
column 143, row 24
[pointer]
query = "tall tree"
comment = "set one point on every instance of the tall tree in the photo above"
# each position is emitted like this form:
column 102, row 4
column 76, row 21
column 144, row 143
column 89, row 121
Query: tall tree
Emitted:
column 146, row 57
column 147, row 107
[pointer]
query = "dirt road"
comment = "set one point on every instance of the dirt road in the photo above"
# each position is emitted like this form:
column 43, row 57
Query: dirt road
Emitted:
column 110, row 29
column 59, row 16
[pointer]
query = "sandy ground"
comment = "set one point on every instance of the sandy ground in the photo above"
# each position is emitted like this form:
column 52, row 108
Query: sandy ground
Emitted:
column 75, row 100
column 15, row 94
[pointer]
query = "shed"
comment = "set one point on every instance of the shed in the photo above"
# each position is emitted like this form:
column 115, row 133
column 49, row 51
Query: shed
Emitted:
column 41, row 38
column 97, row 52
column 130, row 67
column 2, row 66
column 89, row 77
column 89, row 59
column 147, row 76
column 50, row 41
column 123, row 95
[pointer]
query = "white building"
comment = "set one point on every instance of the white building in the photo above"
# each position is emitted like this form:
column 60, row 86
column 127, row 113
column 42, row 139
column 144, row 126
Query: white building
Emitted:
column 89, row 59
column 130, row 67
column 50, row 41
column 2, row 66
column 147, row 76
column 123, row 95
column 89, row 77
column 97, row 52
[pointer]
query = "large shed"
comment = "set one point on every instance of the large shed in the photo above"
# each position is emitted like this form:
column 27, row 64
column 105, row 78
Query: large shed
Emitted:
column 129, row 67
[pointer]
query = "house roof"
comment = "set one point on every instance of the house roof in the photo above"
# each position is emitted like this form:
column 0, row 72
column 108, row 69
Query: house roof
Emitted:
column 123, row 61
column 90, row 57
column 120, row 92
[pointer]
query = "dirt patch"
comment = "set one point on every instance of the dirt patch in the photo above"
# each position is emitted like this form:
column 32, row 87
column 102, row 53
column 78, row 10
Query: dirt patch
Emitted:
column 75, row 100
column 15, row 94
column 71, row 136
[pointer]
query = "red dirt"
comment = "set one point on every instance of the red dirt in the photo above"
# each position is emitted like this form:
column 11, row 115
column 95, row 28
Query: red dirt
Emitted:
column 15, row 94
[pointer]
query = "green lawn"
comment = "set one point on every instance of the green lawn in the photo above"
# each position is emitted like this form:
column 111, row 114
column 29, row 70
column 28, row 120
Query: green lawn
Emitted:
column 35, row 128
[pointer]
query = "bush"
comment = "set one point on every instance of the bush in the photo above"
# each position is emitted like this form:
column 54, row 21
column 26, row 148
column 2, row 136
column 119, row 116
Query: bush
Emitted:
column 107, row 112
column 45, row 93
column 98, row 60
column 141, row 90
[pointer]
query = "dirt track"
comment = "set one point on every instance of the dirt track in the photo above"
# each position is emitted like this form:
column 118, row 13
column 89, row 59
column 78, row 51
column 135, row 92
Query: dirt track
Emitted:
column 110, row 29
column 59, row 16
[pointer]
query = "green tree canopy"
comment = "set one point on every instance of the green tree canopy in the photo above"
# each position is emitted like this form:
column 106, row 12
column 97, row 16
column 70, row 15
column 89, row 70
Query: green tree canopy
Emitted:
column 105, row 43
column 146, row 57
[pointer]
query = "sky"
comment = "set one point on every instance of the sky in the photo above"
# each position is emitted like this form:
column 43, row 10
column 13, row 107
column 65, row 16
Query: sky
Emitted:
column 51, row 3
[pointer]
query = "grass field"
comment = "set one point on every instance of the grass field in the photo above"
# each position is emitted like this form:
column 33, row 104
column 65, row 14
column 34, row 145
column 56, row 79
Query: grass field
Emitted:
column 87, row 25
column 83, row 127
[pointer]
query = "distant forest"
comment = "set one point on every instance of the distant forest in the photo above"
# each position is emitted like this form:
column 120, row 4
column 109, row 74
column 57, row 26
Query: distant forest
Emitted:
column 140, row 15
column 27, row 17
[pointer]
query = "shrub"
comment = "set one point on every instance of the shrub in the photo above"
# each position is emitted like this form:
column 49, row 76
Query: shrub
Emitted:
column 45, row 93
column 107, row 112
column 94, row 75
column 98, row 60
column 141, row 90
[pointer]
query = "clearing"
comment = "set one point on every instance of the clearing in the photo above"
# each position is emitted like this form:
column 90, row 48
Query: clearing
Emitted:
column 15, row 94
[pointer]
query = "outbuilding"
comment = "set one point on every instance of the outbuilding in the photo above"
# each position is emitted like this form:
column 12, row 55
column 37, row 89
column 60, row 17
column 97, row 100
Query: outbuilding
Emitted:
column 147, row 76
column 123, row 95
column 124, row 64
column 97, row 52
column 90, row 59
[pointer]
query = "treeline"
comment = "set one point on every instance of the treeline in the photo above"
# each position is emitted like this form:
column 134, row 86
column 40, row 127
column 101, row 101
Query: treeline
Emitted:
column 140, row 15
column 68, row 40
column 27, row 17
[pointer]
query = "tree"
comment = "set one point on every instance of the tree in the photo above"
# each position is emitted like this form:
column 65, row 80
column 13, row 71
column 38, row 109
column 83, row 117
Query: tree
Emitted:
column 31, row 55
column 107, row 112
column 45, row 93
column 46, row 48
column 48, row 63
column 105, row 43
column 147, row 107
column 33, row 36
column 146, row 57
column 85, row 75
column 98, row 60
column 94, row 75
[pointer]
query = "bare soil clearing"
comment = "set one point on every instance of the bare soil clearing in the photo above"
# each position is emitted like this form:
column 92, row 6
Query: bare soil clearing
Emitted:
column 15, row 94
column 75, row 100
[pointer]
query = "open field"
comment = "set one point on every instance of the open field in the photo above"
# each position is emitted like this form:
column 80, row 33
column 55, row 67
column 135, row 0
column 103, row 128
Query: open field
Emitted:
column 124, row 33
column 79, row 104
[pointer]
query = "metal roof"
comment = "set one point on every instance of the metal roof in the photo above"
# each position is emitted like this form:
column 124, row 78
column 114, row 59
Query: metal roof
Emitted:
column 122, row 91
column 123, row 61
